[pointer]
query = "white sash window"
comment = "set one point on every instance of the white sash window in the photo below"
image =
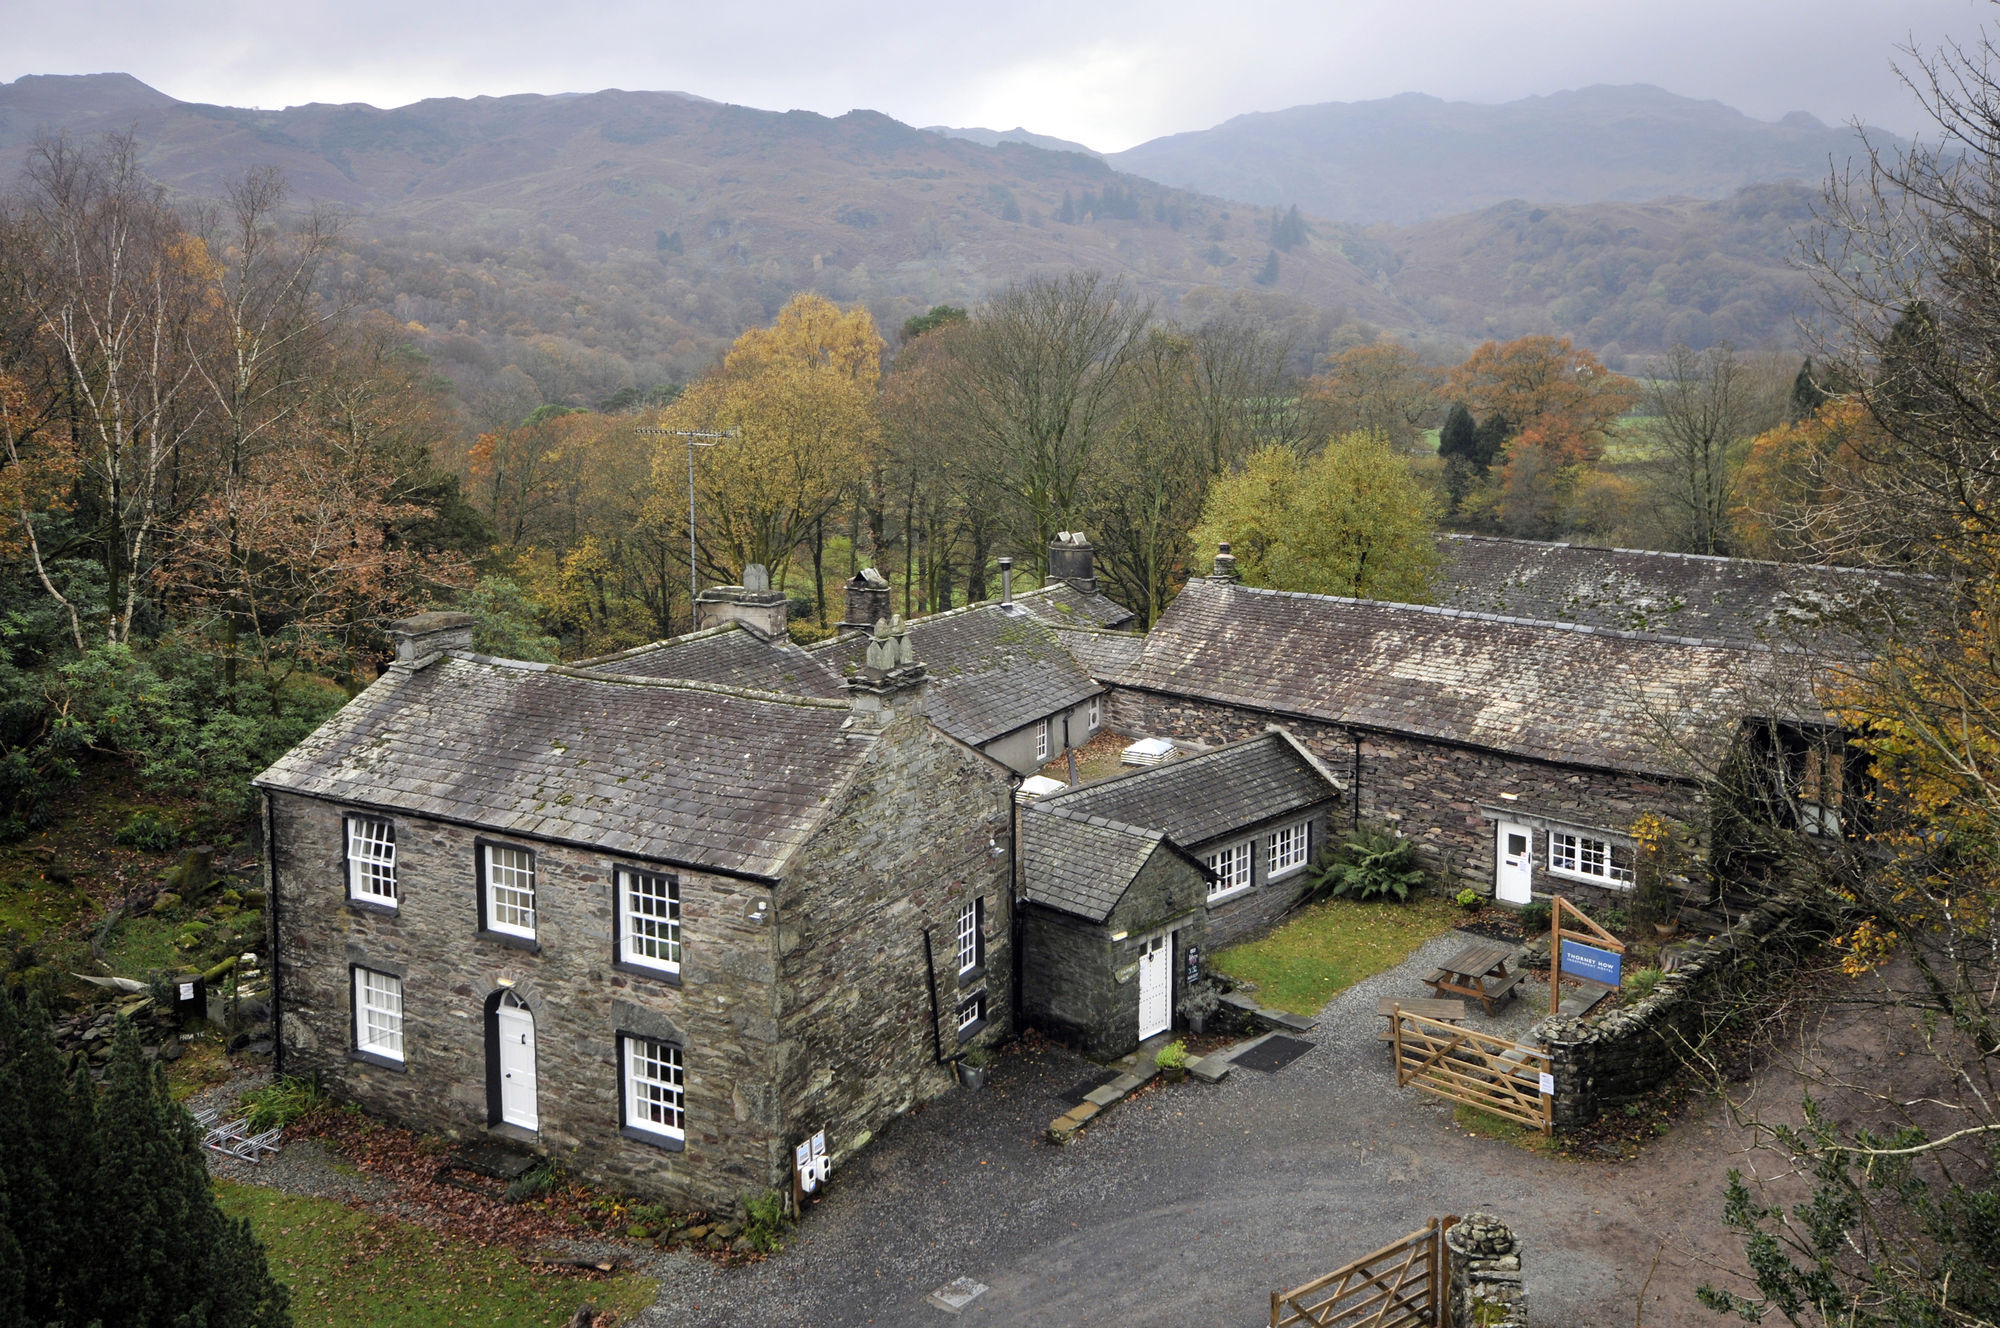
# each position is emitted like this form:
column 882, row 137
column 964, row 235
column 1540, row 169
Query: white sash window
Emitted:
column 371, row 860
column 510, row 890
column 655, row 1088
column 649, row 913
column 378, row 1013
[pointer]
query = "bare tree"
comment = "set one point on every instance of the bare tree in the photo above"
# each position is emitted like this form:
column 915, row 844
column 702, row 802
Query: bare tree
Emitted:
column 1703, row 404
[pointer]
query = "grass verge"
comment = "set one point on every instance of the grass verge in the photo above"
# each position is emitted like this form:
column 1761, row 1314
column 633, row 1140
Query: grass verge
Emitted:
column 350, row 1268
column 1328, row 947
column 1488, row 1126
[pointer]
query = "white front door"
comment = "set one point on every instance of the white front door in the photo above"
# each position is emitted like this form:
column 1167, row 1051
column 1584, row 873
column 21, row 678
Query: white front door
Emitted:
column 1156, row 986
column 517, row 1064
column 1514, row 877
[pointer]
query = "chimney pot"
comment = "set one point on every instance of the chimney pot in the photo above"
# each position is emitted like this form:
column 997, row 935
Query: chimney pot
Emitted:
column 1073, row 561
column 754, row 604
column 1006, row 581
column 1225, row 564
column 867, row 600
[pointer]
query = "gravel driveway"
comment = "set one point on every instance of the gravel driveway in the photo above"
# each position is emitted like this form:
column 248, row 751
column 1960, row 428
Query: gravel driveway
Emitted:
column 1191, row 1203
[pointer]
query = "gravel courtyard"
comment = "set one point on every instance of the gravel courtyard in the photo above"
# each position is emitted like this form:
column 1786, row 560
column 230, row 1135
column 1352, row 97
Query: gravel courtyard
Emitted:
column 1191, row 1203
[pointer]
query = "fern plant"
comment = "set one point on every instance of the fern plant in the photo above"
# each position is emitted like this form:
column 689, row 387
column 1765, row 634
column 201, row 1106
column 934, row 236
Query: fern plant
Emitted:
column 1374, row 863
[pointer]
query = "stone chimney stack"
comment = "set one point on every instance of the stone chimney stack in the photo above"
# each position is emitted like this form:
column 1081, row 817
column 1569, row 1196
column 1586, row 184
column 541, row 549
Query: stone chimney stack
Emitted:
column 754, row 604
column 867, row 600
column 427, row 637
column 890, row 681
column 1225, row 564
column 1006, row 582
column 1071, row 559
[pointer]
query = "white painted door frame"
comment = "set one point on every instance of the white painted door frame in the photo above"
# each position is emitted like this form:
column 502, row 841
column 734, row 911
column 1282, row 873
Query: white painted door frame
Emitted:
column 1156, row 986
column 1513, row 863
column 516, row 1028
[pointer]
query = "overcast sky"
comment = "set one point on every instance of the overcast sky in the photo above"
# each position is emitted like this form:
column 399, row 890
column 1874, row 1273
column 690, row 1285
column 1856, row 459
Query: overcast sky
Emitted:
column 1109, row 74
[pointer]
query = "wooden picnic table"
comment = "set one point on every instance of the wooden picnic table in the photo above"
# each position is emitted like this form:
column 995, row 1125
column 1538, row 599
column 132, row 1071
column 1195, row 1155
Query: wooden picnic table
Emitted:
column 1449, row 1011
column 1466, row 974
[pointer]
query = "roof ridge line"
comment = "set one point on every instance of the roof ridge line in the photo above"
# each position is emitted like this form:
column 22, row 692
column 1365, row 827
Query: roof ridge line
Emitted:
column 1845, row 568
column 665, row 642
column 665, row 684
column 1474, row 615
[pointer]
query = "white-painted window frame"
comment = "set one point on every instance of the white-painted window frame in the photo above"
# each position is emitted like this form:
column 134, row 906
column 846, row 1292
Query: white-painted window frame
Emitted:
column 1042, row 741
column 371, row 859
column 641, row 928
column 378, row 1013
column 1096, row 713
column 971, row 1012
column 1578, row 855
column 511, row 886
column 1295, row 840
column 971, row 943
column 655, row 1086
column 1234, row 868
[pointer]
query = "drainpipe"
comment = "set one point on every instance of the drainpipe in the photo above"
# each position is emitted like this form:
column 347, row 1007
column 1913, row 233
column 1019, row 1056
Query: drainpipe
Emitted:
column 1006, row 582
column 1357, row 781
column 930, row 969
column 1068, row 750
column 271, row 941
column 1015, row 923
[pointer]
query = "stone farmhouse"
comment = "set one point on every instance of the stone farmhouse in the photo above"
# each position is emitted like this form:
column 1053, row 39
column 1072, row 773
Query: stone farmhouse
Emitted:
column 670, row 912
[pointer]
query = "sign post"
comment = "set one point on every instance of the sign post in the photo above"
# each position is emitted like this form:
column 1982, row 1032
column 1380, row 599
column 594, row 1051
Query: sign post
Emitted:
column 1594, row 955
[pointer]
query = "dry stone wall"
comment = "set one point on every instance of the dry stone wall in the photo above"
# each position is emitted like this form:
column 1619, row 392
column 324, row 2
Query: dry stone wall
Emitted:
column 1626, row 1054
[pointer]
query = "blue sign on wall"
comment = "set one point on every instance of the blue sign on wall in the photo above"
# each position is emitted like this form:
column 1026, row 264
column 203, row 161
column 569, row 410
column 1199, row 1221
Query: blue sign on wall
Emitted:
column 1590, row 963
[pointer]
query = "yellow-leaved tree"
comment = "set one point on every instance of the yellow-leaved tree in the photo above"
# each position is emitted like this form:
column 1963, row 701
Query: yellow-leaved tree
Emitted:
column 799, row 398
column 1349, row 520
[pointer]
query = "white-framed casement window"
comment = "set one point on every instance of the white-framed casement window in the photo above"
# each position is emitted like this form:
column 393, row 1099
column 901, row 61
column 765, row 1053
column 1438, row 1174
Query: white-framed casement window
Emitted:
column 971, row 938
column 649, row 920
column 510, row 890
column 1289, row 845
column 1598, row 861
column 1096, row 713
column 371, row 860
column 1042, row 741
column 378, row 1013
column 1229, row 870
column 655, row 1087
column 971, row 1014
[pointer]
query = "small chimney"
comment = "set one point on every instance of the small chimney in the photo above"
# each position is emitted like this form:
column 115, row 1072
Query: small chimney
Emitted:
column 427, row 637
column 867, row 600
column 1225, row 564
column 1006, row 582
column 1072, row 560
column 754, row 604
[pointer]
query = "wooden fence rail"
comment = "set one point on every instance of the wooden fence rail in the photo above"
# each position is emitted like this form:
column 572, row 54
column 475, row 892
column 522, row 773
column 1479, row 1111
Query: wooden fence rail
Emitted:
column 1401, row 1285
column 1480, row 1070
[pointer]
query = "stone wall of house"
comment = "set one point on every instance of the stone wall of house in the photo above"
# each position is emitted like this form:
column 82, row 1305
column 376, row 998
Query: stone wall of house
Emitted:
column 1081, row 985
column 1253, row 911
column 921, row 830
column 721, row 1013
column 1610, row 1059
column 1440, row 795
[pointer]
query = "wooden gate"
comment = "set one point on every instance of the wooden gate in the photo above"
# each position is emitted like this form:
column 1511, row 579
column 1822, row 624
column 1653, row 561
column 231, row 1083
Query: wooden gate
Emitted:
column 1478, row 1069
column 1401, row 1285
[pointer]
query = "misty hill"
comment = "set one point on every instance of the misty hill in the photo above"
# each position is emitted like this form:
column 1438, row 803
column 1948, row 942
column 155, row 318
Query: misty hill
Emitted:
column 1412, row 157
column 994, row 137
column 614, row 239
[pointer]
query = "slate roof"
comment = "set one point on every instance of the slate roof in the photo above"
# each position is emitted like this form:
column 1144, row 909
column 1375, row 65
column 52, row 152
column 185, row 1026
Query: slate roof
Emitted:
column 1060, row 603
column 1077, row 865
column 991, row 671
column 1739, row 601
column 1198, row 799
column 728, row 779
column 1102, row 654
column 731, row 655
column 1557, row 692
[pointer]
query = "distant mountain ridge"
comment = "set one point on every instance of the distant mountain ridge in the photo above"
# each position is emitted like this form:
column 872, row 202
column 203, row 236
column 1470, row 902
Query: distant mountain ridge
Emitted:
column 995, row 137
column 1413, row 157
column 647, row 229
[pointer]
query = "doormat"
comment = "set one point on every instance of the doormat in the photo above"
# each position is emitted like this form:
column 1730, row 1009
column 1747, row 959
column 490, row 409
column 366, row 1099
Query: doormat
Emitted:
column 1273, row 1053
column 1090, row 1085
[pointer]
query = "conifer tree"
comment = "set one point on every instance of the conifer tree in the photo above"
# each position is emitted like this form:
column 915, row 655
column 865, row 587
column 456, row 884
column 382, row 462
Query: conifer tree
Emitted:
column 1268, row 276
column 1807, row 395
column 1459, row 436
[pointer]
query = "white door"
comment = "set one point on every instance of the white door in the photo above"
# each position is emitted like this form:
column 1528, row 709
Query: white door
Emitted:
column 1514, row 877
column 1156, row 987
column 517, row 1064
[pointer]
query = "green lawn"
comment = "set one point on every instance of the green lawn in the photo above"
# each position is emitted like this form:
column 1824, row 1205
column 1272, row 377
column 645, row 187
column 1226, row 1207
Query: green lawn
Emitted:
column 350, row 1268
column 1330, row 946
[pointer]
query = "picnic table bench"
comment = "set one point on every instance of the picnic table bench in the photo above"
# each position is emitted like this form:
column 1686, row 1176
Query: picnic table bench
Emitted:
column 1450, row 1011
column 1466, row 974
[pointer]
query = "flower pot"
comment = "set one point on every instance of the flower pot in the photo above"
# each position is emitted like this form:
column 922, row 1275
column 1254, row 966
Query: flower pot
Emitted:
column 1667, row 928
column 972, row 1077
column 1197, row 1024
column 1173, row 1074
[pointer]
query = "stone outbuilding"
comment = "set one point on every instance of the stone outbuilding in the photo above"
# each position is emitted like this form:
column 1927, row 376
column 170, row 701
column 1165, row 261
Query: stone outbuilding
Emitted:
column 663, row 929
column 1126, row 881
